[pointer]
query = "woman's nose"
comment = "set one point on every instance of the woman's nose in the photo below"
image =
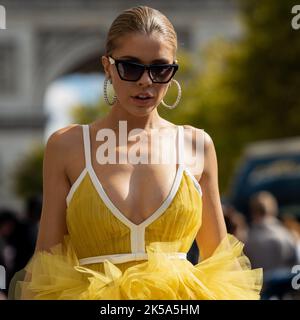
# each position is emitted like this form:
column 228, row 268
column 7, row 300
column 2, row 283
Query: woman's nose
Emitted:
column 145, row 79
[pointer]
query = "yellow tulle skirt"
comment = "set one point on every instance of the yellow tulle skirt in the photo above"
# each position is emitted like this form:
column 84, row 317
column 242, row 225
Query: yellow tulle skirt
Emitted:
column 225, row 275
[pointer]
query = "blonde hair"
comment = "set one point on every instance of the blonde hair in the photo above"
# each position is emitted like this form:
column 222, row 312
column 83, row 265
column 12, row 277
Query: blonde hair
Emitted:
column 140, row 19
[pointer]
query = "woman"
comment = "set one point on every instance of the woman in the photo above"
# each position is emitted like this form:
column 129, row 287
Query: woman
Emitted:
column 122, row 231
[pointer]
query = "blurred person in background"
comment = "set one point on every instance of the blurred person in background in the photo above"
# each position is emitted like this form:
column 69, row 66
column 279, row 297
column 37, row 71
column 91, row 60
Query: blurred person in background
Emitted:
column 2, row 245
column 2, row 296
column 271, row 246
column 235, row 222
column 25, row 235
column 18, row 236
column 292, row 223
column 8, row 223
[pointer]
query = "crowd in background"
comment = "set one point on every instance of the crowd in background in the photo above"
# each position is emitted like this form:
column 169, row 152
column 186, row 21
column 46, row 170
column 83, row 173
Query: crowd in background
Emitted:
column 18, row 234
column 271, row 243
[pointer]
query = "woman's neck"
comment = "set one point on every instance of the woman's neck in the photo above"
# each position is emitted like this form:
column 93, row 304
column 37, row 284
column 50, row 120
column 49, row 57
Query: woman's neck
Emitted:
column 147, row 122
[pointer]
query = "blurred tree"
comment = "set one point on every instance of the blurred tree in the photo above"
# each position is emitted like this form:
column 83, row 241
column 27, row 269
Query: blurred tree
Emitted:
column 83, row 114
column 248, row 88
column 28, row 175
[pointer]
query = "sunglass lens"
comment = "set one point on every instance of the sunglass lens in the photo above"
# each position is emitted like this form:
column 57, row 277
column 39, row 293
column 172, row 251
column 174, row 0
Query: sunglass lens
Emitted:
column 161, row 73
column 129, row 71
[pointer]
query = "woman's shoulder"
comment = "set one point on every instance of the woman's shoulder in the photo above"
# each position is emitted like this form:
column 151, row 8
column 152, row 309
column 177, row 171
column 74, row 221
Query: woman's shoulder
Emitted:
column 196, row 133
column 207, row 149
column 66, row 136
column 64, row 150
column 64, row 141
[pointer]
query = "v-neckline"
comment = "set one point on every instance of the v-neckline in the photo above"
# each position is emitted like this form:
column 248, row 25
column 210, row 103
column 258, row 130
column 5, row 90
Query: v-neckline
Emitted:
column 121, row 216
column 113, row 208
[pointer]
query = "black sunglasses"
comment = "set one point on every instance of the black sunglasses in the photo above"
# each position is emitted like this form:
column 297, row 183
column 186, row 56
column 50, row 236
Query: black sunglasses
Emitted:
column 133, row 71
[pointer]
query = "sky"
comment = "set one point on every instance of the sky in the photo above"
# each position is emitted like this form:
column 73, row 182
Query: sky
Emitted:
column 65, row 93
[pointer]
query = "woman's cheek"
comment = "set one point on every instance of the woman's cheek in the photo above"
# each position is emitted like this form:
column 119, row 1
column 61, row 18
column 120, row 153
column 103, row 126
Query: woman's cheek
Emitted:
column 121, row 93
column 163, row 93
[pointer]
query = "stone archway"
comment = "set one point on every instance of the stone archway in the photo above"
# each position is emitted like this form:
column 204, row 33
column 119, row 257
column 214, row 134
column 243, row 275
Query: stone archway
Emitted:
column 66, row 53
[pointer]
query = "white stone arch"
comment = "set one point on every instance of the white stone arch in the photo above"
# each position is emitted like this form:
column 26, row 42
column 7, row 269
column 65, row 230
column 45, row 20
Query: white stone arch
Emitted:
column 65, row 54
column 73, row 56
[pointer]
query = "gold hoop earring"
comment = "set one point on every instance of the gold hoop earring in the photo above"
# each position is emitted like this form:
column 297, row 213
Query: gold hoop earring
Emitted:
column 178, row 96
column 105, row 95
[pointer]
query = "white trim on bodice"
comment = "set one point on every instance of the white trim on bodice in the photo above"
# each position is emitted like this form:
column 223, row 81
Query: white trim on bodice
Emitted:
column 137, row 231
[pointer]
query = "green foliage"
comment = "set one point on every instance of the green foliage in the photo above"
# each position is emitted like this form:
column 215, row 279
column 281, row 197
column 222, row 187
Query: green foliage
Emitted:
column 248, row 89
column 83, row 114
column 28, row 175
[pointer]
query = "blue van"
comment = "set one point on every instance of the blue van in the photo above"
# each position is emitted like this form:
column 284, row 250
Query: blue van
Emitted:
column 272, row 165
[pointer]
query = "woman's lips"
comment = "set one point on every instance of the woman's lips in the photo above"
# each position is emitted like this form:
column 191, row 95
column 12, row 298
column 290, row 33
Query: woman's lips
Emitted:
column 142, row 102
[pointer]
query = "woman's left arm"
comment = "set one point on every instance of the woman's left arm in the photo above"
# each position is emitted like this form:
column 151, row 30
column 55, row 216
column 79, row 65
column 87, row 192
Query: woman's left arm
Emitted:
column 213, row 228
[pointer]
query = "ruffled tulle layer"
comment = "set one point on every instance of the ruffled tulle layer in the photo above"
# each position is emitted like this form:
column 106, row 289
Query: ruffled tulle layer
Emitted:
column 226, row 275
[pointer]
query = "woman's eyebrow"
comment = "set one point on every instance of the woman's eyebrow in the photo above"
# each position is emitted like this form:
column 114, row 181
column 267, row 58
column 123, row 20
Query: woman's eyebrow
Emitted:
column 162, row 60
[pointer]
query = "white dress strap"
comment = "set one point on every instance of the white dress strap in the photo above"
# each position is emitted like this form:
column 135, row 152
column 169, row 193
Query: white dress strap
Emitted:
column 181, row 157
column 128, row 257
column 180, row 148
column 87, row 145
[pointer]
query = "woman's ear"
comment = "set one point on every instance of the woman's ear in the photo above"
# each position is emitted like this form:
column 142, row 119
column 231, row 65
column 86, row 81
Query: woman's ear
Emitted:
column 105, row 64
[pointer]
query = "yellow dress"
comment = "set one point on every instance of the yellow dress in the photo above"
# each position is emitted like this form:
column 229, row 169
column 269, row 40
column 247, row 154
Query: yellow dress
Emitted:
column 106, row 256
